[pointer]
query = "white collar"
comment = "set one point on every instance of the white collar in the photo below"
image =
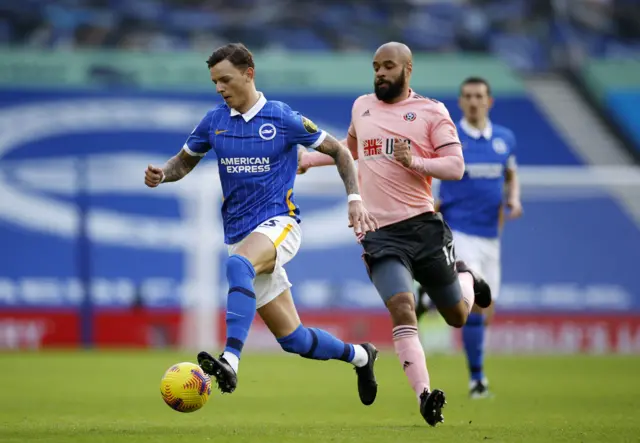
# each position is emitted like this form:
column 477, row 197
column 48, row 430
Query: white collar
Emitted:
column 254, row 109
column 475, row 132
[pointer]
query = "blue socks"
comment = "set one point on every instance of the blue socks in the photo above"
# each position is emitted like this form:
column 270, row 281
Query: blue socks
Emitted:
column 317, row 344
column 241, row 309
column 473, row 340
column 241, row 303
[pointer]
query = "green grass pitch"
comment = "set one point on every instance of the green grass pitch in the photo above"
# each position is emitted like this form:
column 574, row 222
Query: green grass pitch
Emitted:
column 114, row 397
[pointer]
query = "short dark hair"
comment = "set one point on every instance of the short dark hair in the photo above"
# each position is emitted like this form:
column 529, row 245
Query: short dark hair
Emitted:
column 475, row 81
column 236, row 53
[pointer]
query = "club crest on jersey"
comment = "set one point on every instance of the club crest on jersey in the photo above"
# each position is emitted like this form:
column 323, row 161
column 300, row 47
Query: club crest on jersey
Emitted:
column 499, row 146
column 410, row 116
column 267, row 131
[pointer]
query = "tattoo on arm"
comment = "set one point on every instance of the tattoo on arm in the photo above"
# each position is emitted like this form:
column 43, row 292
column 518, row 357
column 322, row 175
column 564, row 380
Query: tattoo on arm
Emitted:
column 179, row 165
column 344, row 162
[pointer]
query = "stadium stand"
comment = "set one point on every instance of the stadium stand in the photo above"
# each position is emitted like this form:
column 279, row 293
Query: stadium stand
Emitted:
column 614, row 83
column 527, row 33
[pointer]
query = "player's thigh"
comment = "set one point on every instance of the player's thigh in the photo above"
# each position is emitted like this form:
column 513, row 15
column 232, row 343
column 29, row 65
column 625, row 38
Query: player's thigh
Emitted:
column 272, row 244
column 394, row 283
column 395, row 240
column 387, row 257
column 434, row 260
column 435, row 269
column 450, row 303
column 390, row 276
column 280, row 314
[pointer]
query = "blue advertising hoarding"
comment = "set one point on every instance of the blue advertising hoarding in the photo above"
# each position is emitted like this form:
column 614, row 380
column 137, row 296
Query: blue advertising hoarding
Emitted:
column 569, row 253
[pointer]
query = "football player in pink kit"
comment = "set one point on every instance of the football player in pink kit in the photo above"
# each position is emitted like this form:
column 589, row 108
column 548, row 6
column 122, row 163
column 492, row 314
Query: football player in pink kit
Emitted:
column 402, row 140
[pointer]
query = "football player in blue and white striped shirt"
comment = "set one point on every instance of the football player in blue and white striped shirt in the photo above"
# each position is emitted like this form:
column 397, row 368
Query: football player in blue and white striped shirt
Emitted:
column 255, row 141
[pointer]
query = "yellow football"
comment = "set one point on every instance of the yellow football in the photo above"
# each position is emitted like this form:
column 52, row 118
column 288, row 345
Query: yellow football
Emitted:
column 185, row 387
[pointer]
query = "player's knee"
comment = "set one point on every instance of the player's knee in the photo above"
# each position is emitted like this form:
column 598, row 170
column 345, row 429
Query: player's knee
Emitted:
column 238, row 267
column 299, row 341
column 293, row 347
column 259, row 250
column 402, row 309
column 456, row 318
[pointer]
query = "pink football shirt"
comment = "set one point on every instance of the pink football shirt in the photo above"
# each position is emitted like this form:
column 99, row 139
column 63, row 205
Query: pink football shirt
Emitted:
column 392, row 192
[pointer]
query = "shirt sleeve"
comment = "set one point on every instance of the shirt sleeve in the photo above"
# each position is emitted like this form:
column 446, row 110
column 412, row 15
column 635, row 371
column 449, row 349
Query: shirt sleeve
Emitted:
column 302, row 131
column 197, row 143
column 352, row 144
column 442, row 132
column 352, row 136
column 352, row 131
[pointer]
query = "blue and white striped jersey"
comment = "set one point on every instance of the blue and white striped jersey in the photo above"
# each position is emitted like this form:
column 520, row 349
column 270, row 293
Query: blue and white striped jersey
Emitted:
column 257, row 159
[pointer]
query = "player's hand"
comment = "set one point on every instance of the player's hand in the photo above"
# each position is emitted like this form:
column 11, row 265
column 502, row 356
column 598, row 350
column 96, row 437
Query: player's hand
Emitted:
column 360, row 219
column 515, row 209
column 401, row 152
column 303, row 165
column 153, row 176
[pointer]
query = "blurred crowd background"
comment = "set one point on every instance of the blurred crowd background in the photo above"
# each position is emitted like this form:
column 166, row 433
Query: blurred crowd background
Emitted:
column 528, row 34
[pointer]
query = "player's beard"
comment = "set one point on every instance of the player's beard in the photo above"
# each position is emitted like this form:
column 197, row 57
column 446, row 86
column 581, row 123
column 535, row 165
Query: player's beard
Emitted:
column 393, row 89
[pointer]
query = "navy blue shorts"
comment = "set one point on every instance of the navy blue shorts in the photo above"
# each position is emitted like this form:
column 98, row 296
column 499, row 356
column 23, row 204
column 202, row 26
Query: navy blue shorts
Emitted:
column 421, row 249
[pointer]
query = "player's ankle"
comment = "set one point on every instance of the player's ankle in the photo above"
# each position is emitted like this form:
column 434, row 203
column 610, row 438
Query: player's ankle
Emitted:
column 360, row 356
column 232, row 359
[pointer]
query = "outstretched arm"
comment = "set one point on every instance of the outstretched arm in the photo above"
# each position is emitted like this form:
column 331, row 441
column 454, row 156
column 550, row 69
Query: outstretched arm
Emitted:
column 303, row 131
column 359, row 217
column 339, row 155
column 449, row 165
column 179, row 165
column 443, row 135
column 196, row 146
column 176, row 168
column 308, row 160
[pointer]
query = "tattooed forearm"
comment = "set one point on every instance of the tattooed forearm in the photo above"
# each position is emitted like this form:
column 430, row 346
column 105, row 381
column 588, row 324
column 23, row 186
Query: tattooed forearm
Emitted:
column 344, row 162
column 179, row 166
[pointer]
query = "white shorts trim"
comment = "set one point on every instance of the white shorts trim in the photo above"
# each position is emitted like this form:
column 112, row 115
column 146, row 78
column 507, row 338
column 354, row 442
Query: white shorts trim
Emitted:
column 482, row 255
column 286, row 235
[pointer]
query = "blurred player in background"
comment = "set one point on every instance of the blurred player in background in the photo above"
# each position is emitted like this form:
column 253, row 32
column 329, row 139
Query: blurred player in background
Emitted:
column 473, row 208
column 255, row 142
column 401, row 141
